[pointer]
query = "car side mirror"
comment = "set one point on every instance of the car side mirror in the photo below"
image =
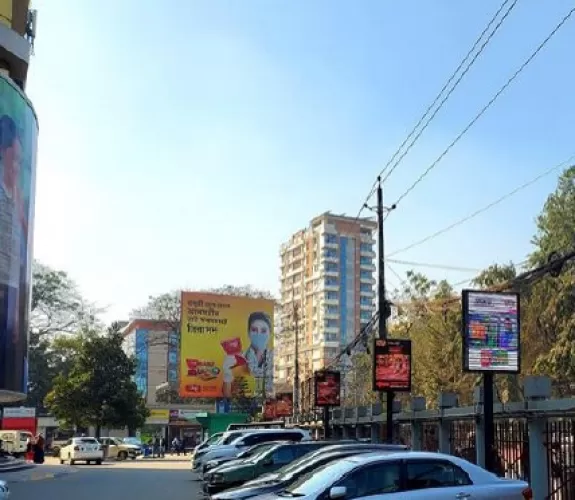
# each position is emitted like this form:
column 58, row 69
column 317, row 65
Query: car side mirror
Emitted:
column 337, row 492
column 268, row 462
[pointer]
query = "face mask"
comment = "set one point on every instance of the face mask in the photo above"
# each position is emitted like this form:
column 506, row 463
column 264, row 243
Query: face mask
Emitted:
column 259, row 340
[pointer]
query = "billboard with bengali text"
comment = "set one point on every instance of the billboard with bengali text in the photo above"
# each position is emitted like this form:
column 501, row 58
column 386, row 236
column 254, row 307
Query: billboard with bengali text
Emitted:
column 491, row 331
column 226, row 345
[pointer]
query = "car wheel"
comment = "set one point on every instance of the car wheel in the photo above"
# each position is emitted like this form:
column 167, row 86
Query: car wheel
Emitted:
column 61, row 461
column 133, row 458
column 70, row 460
column 123, row 455
column 98, row 462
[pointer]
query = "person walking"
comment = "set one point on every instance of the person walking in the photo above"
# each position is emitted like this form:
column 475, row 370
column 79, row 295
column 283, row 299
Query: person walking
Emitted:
column 38, row 449
column 176, row 446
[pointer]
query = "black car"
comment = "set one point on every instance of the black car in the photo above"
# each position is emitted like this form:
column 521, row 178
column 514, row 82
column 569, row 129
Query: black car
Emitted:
column 244, row 455
column 273, row 483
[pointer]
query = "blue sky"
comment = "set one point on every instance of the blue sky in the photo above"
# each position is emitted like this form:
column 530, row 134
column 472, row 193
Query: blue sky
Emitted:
column 180, row 145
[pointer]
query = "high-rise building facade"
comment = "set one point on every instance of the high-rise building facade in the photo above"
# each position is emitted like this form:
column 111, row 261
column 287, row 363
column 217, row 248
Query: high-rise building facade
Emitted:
column 327, row 292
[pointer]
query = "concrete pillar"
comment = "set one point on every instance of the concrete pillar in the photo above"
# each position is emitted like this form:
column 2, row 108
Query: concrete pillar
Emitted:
column 375, row 433
column 417, row 435
column 538, row 458
column 346, row 432
column 446, row 400
column 480, row 442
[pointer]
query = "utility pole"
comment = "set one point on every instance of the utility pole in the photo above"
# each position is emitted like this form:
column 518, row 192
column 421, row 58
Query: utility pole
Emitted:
column 384, row 310
column 296, row 408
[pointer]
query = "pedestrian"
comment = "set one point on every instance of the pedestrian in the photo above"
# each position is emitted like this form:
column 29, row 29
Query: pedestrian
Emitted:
column 176, row 445
column 156, row 449
column 39, row 449
column 162, row 447
column 29, row 449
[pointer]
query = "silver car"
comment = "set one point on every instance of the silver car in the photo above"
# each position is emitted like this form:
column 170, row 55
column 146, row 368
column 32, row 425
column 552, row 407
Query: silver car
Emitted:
column 403, row 475
column 4, row 491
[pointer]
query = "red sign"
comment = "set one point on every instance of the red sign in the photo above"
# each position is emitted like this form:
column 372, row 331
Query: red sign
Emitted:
column 327, row 388
column 392, row 365
column 284, row 404
column 270, row 409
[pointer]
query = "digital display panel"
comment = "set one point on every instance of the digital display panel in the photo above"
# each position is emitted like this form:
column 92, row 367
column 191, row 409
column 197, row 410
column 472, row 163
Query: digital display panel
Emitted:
column 491, row 332
column 327, row 388
column 392, row 365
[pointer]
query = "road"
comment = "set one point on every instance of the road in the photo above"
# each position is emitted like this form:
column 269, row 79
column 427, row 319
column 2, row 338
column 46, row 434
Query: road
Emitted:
column 167, row 479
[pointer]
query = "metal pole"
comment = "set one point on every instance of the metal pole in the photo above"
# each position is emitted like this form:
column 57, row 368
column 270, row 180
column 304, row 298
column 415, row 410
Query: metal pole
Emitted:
column 489, row 425
column 296, row 405
column 383, row 306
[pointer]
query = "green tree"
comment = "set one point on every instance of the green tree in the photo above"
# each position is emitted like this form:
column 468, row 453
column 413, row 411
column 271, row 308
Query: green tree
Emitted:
column 98, row 390
column 57, row 309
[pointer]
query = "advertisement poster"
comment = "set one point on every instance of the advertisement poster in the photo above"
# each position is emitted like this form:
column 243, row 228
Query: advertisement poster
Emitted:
column 270, row 409
column 327, row 388
column 226, row 345
column 392, row 365
column 18, row 138
column 491, row 332
column 284, row 404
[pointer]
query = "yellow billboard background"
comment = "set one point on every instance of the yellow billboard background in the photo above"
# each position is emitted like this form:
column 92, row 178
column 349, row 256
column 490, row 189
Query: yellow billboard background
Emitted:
column 6, row 12
column 226, row 345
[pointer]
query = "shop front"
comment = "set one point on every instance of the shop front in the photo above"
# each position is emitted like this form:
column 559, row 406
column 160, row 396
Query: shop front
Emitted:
column 184, row 426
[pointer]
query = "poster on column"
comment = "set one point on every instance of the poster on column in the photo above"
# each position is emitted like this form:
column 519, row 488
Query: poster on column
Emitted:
column 391, row 365
column 18, row 138
column 226, row 345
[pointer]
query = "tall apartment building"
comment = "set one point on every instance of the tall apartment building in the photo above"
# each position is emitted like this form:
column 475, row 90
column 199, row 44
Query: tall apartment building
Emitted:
column 328, row 274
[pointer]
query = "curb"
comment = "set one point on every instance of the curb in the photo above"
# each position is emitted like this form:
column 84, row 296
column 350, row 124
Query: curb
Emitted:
column 39, row 475
column 16, row 468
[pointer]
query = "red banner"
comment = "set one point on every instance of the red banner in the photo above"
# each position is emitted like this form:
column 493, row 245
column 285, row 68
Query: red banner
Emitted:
column 392, row 365
column 327, row 388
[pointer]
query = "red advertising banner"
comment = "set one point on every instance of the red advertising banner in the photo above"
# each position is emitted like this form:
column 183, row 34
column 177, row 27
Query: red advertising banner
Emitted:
column 392, row 365
column 327, row 388
column 284, row 404
column 270, row 409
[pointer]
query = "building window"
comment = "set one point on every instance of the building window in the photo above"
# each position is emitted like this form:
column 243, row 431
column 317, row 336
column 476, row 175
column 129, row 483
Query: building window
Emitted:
column 331, row 295
column 366, row 247
column 331, row 337
column 330, row 252
column 332, row 309
column 364, row 287
column 366, row 261
column 330, row 266
column 330, row 238
column 331, row 281
column 365, row 315
column 366, row 301
column 366, row 232
column 331, row 323
column 365, row 274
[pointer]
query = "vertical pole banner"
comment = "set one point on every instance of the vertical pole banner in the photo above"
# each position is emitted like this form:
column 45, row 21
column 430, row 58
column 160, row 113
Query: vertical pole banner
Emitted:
column 18, row 139
column 225, row 346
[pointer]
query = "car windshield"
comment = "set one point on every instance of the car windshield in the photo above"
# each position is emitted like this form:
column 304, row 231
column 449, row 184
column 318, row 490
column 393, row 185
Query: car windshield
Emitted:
column 213, row 439
column 87, row 441
column 264, row 452
column 133, row 440
column 319, row 478
column 232, row 436
column 256, row 450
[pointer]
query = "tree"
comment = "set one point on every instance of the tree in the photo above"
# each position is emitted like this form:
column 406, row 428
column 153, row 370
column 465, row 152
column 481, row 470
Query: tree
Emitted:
column 98, row 391
column 57, row 309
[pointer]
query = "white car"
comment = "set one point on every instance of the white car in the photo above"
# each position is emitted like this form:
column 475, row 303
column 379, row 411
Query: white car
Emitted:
column 245, row 441
column 404, row 475
column 4, row 491
column 82, row 449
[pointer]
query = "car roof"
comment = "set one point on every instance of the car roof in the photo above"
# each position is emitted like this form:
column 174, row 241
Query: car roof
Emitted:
column 366, row 458
column 277, row 431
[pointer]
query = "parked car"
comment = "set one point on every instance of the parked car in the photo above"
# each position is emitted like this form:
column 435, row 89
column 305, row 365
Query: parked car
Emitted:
column 4, row 490
column 15, row 442
column 282, row 478
column 244, row 455
column 82, row 449
column 227, row 476
column 273, row 483
column 244, row 441
column 116, row 449
column 403, row 475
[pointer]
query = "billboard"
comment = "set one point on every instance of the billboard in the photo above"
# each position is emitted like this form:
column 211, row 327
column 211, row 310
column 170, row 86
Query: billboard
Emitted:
column 18, row 138
column 391, row 365
column 280, row 406
column 226, row 345
column 491, row 332
column 327, row 388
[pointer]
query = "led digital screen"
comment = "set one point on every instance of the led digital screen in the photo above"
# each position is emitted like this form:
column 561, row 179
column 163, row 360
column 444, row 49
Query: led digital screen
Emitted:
column 491, row 332
column 327, row 388
column 392, row 365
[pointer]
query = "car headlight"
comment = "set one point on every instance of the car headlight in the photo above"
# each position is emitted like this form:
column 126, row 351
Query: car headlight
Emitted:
column 217, row 478
column 4, row 487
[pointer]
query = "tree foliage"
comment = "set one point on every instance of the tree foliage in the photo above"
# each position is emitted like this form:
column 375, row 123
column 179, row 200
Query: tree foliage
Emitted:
column 98, row 389
column 429, row 313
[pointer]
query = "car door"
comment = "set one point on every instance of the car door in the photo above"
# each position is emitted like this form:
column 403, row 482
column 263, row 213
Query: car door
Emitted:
column 437, row 480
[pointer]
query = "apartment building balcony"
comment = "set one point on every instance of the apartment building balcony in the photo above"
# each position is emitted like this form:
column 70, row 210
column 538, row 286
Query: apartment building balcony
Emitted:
column 367, row 293
column 367, row 267
column 367, row 238
column 367, row 253
column 331, row 329
column 294, row 271
column 330, row 315
column 330, row 302
column 329, row 272
column 370, row 280
column 367, row 307
column 332, row 287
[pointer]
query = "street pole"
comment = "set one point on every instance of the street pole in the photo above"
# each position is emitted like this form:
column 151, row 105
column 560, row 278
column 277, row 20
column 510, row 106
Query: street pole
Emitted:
column 296, row 407
column 383, row 305
column 488, row 422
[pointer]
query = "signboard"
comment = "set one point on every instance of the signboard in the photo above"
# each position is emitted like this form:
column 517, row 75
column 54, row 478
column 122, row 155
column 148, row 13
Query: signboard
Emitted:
column 158, row 416
column 392, row 365
column 491, row 332
column 284, row 404
column 19, row 412
column 270, row 409
column 327, row 388
column 226, row 345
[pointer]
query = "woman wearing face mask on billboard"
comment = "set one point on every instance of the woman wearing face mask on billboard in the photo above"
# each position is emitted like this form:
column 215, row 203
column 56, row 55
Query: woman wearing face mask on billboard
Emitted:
column 259, row 332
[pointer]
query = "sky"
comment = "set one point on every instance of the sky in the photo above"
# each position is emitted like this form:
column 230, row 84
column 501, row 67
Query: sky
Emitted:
column 181, row 142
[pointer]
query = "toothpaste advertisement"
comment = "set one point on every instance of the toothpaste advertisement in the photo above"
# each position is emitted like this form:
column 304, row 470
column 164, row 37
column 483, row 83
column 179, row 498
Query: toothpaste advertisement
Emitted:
column 226, row 345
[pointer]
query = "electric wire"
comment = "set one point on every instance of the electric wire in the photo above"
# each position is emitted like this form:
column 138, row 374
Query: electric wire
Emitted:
column 488, row 105
column 441, row 93
column 483, row 209
column 434, row 266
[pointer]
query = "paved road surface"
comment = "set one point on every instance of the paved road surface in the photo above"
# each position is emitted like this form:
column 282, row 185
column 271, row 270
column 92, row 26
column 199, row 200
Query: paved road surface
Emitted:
column 169, row 479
